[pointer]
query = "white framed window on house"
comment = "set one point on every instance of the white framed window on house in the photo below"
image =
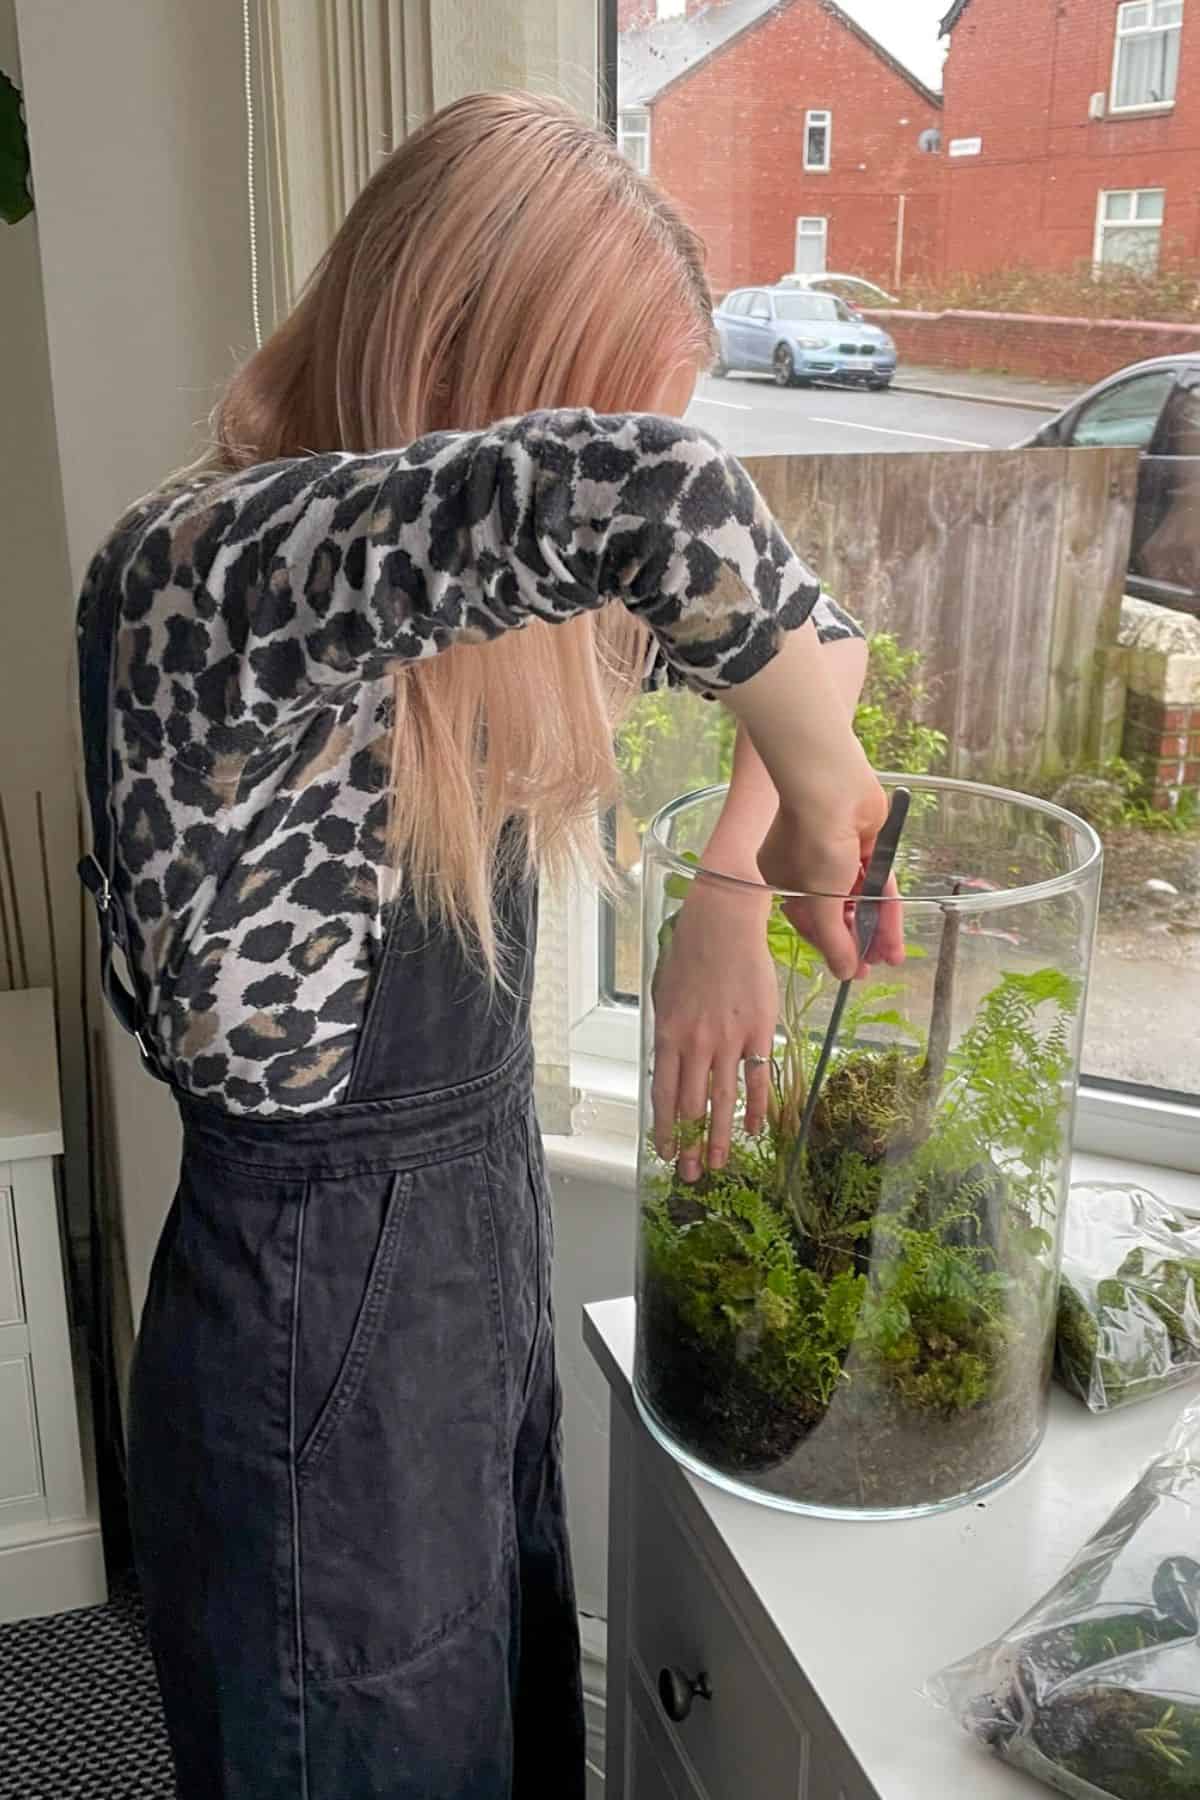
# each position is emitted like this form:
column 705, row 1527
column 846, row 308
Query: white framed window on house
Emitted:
column 810, row 256
column 1129, row 223
column 818, row 142
column 1146, row 54
column 633, row 137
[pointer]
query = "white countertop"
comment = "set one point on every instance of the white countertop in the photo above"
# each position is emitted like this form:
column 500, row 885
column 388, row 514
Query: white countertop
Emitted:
column 30, row 1112
column 871, row 1610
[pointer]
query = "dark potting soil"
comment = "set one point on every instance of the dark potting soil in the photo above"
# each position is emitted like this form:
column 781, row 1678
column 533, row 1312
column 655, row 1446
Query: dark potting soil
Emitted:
column 868, row 1449
column 1132, row 1745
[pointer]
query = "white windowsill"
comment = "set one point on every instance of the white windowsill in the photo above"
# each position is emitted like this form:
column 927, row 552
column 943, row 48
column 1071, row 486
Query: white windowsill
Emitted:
column 1135, row 112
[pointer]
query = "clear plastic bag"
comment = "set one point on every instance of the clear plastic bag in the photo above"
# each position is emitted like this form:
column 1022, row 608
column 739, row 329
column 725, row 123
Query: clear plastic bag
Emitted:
column 1129, row 1299
column 1097, row 1690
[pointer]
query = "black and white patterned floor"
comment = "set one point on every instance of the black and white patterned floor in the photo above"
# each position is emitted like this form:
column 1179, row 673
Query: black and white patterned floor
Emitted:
column 79, row 1710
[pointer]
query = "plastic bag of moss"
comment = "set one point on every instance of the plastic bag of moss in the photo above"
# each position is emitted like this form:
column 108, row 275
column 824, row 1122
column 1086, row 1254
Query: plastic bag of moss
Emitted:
column 1097, row 1690
column 1129, row 1298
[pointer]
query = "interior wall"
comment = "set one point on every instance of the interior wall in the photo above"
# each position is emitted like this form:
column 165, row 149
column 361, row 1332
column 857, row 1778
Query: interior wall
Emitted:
column 40, row 900
column 138, row 141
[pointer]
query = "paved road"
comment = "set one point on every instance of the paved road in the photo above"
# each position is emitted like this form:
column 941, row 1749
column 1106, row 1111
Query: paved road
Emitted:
column 752, row 417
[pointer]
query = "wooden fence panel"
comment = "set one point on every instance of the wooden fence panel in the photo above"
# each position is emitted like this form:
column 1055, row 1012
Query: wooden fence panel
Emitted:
column 1005, row 569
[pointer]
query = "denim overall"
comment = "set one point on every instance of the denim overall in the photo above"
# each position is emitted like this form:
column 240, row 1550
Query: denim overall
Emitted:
column 344, row 1442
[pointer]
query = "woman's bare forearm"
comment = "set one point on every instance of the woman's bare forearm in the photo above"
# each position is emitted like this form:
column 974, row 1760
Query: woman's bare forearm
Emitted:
column 753, row 800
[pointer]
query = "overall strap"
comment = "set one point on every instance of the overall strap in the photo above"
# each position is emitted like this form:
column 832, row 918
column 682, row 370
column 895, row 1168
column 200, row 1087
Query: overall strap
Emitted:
column 96, row 634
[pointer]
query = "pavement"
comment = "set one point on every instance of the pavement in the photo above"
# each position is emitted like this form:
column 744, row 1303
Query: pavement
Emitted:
column 991, row 390
column 926, row 409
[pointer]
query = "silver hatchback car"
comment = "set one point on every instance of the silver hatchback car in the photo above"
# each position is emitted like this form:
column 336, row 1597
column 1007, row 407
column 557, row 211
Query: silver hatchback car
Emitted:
column 799, row 337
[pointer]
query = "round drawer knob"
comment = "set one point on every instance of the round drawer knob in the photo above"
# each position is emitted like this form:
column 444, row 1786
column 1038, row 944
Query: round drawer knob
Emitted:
column 677, row 1692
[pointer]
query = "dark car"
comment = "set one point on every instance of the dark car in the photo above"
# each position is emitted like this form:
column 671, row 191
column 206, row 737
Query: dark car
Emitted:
column 1153, row 407
column 800, row 337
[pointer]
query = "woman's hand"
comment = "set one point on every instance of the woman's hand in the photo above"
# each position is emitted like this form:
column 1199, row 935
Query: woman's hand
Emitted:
column 797, row 711
column 823, row 850
column 716, row 1002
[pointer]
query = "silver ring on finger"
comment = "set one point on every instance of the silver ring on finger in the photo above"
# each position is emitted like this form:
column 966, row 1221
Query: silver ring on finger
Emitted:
column 756, row 1062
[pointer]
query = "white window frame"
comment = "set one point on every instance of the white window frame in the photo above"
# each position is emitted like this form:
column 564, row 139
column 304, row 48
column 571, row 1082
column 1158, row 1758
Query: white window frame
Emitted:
column 819, row 118
column 640, row 135
column 1127, row 34
column 812, row 219
column 1133, row 223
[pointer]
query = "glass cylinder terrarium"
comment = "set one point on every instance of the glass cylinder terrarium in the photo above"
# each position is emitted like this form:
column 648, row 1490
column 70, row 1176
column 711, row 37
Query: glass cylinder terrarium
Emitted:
column 859, row 1319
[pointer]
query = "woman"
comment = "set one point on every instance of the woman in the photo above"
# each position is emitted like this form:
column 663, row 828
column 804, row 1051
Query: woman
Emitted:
column 359, row 695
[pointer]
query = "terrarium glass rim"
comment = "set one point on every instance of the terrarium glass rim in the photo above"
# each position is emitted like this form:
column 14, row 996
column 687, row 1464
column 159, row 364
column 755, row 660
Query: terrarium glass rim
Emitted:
column 991, row 901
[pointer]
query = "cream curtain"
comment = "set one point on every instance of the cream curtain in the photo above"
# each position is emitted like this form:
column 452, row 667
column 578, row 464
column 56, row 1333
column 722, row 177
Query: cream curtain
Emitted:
column 335, row 85
column 339, row 83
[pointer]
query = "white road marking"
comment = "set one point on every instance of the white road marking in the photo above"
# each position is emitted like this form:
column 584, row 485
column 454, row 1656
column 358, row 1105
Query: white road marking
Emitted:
column 890, row 431
column 733, row 405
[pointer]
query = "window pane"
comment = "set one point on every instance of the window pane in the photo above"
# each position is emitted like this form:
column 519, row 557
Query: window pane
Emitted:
column 1168, row 12
column 1133, row 247
column 1148, row 68
column 884, row 495
column 1183, row 423
column 1127, row 414
column 805, row 306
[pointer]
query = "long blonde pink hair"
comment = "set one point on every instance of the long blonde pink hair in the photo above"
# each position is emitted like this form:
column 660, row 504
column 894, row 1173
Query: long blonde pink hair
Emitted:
column 505, row 258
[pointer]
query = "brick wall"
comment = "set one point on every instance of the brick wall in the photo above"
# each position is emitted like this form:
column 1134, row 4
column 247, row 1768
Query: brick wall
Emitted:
column 1083, row 350
column 1161, row 655
column 727, row 142
column 1019, row 75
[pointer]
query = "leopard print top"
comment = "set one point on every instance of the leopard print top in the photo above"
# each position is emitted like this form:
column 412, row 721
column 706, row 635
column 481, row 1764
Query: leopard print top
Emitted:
column 259, row 614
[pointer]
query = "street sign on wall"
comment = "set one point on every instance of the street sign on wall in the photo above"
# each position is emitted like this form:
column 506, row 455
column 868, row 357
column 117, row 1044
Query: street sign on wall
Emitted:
column 965, row 146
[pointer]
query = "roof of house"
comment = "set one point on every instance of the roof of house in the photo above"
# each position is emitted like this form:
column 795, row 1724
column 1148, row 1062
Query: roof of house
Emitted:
column 654, row 59
column 953, row 16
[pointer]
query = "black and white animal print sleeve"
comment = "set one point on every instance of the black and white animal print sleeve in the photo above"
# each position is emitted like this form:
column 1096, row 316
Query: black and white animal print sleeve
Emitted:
column 312, row 574
column 260, row 613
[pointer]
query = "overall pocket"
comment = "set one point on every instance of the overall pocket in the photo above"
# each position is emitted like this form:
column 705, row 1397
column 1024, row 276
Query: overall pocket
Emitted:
column 402, row 1469
column 337, row 1305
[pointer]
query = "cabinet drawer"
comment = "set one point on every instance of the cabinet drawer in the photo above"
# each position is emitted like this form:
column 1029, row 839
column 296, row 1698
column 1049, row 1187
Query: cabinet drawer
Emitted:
column 12, row 1305
column 745, row 1740
column 654, row 1766
column 20, row 1463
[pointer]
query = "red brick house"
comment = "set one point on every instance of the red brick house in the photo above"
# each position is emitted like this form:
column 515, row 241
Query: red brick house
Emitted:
column 788, row 135
column 1072, row 132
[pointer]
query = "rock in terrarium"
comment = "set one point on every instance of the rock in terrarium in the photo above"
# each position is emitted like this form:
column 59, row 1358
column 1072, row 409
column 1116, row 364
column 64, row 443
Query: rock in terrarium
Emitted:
column 864, row 1323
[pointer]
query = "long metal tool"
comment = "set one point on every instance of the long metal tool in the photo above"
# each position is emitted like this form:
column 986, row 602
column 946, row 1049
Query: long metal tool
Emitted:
column 866, row 921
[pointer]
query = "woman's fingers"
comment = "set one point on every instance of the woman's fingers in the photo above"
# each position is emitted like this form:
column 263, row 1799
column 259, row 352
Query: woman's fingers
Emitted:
column 757, row 1079
column 693, row 1111
column 888, row 946
column 722, row 1101
column 826, row 926
column 664, row 1095
column 695, row 1096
